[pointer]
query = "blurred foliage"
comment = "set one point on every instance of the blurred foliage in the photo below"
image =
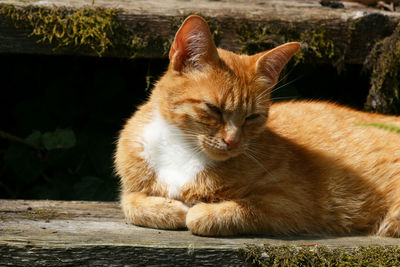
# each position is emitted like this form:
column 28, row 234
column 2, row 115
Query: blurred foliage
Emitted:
column 62, row 117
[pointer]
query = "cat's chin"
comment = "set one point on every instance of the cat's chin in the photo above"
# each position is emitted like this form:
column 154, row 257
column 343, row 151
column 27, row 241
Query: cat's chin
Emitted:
column 220, row 155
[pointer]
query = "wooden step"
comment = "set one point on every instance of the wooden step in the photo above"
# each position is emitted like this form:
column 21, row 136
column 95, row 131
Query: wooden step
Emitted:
column 79, row 233
column 146, row 28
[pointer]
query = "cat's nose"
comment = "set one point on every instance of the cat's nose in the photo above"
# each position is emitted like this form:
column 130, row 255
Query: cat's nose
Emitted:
column 231, row 142
column 231, row 137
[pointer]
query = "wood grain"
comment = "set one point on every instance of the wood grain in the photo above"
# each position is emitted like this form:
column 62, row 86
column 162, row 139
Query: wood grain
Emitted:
column 353, row 29
column 49, row 233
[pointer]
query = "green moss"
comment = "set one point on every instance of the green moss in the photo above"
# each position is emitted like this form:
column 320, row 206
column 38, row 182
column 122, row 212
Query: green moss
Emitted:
column 42, row 214
column 387, row 127
column 315, row 46
column 258, row 38
column 97, row 31
column 93, row 30
column 46, row 214
column 320, row 256
column 384, row 63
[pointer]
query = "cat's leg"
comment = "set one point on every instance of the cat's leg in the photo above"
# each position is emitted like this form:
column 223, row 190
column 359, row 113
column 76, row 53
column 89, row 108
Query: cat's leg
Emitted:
column 154, row 212
column 238, row 217
column 390, row 226
column 275, row 215
column 224, row 218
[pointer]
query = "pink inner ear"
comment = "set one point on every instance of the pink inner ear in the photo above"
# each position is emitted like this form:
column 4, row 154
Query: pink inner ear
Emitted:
column 272, row 62
column 172, row 51
column 178, row 44
column 177, row 54
column 193, row 44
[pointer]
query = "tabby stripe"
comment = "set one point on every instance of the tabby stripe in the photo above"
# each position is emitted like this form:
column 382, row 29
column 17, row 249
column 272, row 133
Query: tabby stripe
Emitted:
column 187, row 100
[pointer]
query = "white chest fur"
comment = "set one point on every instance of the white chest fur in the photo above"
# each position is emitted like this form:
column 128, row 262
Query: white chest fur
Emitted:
column 173, row 158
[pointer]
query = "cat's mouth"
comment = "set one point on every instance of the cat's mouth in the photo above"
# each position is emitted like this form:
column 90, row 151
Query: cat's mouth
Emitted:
column 216, row 150
column 217, row 155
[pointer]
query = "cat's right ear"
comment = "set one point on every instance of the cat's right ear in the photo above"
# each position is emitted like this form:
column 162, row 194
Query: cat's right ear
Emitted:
column 270, row 64
column 193, row 46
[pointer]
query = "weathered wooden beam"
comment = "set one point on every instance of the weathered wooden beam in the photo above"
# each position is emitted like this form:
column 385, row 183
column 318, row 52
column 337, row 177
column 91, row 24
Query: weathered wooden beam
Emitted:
column 145, row 28
column 76, row 233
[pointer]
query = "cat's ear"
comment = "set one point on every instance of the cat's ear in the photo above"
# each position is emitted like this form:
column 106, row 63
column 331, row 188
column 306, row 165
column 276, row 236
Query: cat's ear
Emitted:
column 270, row 64
column 193, row 45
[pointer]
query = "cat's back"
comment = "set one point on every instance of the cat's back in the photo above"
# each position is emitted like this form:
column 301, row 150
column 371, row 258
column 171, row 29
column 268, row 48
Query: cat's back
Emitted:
column 310, row 121
column 359, row 139
column 318, row 117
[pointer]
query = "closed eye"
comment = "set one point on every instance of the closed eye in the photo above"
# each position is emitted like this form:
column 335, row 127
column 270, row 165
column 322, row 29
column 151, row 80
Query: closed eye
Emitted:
column 214, row 109
column 252, row 117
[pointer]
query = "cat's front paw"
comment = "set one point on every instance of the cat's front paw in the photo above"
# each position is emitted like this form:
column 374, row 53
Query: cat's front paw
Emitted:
column 198, row 220
column 154, row 212
column 211, row 219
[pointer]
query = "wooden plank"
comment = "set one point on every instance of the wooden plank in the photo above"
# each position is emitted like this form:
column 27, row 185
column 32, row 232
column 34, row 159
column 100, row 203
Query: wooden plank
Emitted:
column 49, row 233
column 240, row 25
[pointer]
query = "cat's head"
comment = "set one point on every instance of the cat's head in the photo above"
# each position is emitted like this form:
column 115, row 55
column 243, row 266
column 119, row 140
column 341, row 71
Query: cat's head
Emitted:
column 220, row 100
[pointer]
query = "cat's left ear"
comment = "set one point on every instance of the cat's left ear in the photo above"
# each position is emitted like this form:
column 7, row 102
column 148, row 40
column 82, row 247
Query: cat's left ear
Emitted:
column 270, row 64
column 193, row 45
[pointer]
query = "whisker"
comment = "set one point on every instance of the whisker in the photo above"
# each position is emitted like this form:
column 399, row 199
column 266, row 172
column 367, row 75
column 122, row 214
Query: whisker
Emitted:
column 264, row 93
column 268, row 90
column 254, row 159
column 250, row 156
column 182, row 133
column 282, row 98
column 260, row 153
column 286, row 84
column 256, row 146
column 285, row 76
column 185, row 135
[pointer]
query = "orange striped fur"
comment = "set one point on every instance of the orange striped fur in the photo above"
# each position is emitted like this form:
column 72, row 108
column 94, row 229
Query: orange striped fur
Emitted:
column 208, row 151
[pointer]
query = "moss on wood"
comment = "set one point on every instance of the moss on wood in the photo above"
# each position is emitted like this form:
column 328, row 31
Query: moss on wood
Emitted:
column 44, row 214
column 384, row 63
column 315, row 46
column 97, row 31
column 254, row 39
column 316, row 255
column 101, row 32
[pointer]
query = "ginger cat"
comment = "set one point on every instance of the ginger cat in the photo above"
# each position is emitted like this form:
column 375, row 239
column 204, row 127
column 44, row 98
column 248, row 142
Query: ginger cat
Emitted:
column 208, row 151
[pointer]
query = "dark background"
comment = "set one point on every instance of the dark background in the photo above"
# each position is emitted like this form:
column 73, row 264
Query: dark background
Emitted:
column 60, row 117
